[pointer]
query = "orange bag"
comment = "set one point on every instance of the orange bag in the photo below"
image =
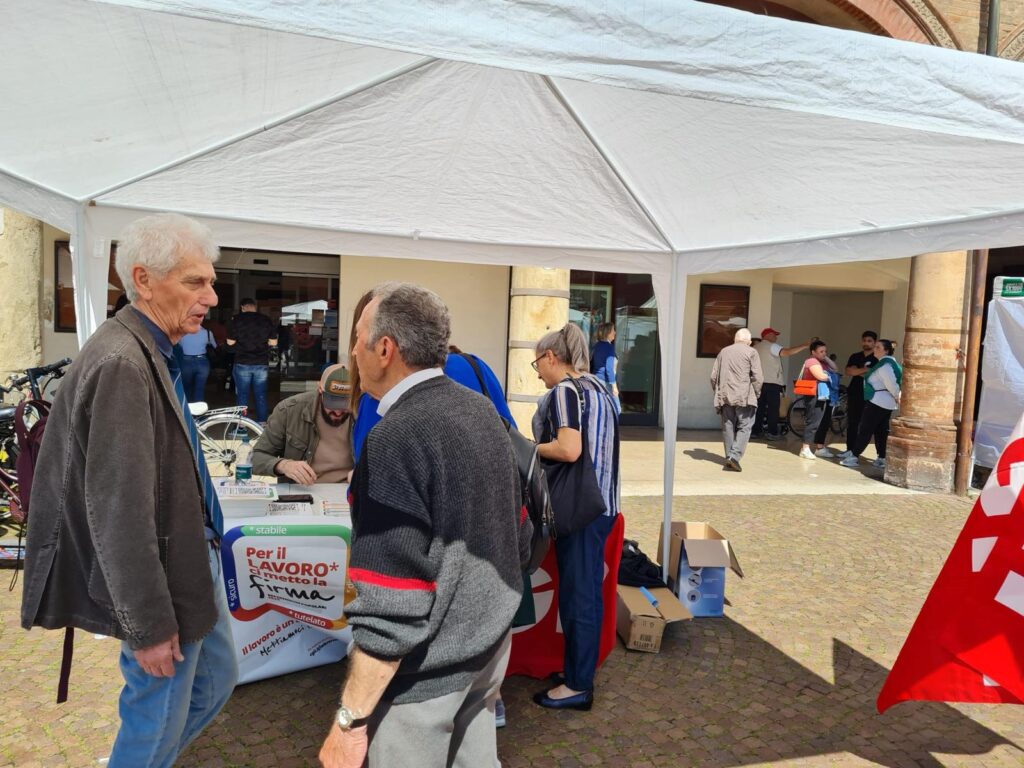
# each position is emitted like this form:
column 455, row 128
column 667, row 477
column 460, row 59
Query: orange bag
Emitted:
column 806, row 387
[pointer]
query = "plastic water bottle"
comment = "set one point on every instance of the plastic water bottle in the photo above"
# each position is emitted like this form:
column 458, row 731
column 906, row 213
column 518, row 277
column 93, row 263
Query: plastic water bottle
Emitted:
column 243, row 461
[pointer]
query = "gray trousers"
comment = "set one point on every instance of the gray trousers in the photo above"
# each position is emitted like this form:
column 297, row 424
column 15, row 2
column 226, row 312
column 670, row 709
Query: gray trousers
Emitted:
column 737, row 422
column 455, row 731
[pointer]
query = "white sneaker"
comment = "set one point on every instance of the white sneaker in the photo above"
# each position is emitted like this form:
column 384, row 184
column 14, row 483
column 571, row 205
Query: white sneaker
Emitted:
column 850, row 461
column 824, row 453
column 844, row 455
column 805, row 453
column 879, row 462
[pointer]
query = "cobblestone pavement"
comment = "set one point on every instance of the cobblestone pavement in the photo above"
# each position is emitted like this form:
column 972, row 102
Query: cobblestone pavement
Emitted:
column 789, row 677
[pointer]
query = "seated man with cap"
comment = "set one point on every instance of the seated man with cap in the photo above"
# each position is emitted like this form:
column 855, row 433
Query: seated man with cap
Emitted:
column 308, row 438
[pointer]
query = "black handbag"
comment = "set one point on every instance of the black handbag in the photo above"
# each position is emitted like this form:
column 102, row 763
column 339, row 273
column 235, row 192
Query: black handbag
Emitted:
column 212, row 353
column 575, row 493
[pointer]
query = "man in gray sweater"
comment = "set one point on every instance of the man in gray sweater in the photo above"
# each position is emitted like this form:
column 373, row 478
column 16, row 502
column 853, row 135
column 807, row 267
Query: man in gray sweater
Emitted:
column 439, row 536
column 736, row 380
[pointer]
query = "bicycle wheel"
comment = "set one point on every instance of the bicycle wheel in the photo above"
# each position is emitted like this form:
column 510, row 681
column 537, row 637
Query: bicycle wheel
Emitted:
column 220, row 436
column 797, row 417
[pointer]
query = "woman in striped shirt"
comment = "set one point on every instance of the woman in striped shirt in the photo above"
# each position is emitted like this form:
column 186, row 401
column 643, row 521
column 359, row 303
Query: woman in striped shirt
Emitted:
column 558, row 428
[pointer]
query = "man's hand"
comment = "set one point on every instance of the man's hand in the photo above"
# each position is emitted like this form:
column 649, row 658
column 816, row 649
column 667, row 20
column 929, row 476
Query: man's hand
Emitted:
column 158, row 660
column 297, row 471
column 344, row 749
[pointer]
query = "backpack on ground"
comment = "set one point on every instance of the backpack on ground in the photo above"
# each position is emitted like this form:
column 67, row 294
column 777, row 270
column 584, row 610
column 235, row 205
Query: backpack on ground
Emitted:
column 533, row 481
column 30, row 440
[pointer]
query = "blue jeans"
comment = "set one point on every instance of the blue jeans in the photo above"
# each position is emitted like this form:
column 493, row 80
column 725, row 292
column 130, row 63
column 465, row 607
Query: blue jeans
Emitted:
column 195, row 370
column 160, row 716
column 252, row 377
column 580, row 558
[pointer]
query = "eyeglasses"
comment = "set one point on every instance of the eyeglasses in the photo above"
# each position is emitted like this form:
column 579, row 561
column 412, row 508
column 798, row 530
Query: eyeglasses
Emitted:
column 534, row 363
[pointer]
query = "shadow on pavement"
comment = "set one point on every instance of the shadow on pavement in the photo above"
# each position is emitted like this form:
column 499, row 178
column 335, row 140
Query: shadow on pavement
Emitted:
column 718, row 696
column 702, row 454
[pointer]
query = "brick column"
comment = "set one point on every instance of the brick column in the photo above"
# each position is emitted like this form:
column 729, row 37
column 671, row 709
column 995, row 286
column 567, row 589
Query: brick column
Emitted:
column 21, row 252
column 539, row 303
column 922, row 444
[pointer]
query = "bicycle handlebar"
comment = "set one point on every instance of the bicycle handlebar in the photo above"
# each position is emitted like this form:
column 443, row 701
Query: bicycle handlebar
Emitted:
column 45, row 370
column 33, row 375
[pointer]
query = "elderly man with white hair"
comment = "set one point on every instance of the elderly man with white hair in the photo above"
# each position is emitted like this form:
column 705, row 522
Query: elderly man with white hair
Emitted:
column 736, row 380
column 125, row 521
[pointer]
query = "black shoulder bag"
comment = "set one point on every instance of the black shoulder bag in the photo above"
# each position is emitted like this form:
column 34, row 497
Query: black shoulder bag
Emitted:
column 575, row 493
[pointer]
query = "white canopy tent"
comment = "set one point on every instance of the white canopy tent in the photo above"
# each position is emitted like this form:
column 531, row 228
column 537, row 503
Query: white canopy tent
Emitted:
column 669, row 139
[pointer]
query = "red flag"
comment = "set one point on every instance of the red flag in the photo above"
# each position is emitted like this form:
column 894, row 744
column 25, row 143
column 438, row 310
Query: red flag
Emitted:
column 968, row 641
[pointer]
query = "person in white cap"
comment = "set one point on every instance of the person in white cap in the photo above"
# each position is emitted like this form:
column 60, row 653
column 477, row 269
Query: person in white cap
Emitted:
column 308, row 438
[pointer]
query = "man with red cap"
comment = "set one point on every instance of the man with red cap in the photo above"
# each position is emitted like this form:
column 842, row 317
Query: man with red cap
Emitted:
column 766, row 423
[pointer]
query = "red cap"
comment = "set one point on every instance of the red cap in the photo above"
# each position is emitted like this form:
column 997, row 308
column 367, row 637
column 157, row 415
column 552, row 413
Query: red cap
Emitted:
column 769, row 330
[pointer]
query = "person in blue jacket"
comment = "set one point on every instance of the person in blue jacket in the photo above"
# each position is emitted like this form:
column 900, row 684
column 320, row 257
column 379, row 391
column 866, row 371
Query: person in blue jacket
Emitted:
column 604, row 362
column 457, row 368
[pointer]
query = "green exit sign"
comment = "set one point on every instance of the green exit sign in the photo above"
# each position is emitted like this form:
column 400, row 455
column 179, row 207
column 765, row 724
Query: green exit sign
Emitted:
column 1010, row 287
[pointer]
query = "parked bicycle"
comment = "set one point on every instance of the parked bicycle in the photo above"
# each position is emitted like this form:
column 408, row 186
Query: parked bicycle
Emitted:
column 796, row 419
column 221, row 432
column 27, row 388
column 30, row 385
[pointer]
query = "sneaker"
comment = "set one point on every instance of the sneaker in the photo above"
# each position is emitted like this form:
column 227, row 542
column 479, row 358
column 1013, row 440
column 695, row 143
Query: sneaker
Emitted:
column 732, row 464
column 805, row 453
column 844, row 455
column 824, row 453
column 499, row 714
column 850, row 461
column 771, row 437
column 879, row 462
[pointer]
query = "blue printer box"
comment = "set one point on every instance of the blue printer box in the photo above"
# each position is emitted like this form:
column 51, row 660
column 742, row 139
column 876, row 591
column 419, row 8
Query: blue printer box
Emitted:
column 699, row 557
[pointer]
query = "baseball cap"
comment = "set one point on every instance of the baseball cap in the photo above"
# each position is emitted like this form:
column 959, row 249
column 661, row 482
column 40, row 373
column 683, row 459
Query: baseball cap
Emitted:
column 337, row 393
column 766, row 331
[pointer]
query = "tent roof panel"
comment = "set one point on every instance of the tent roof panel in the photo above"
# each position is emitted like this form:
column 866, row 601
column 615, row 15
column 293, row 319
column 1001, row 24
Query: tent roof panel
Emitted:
column 718, row 175
column 450, row 151
column 95, row 95
column 684, row 48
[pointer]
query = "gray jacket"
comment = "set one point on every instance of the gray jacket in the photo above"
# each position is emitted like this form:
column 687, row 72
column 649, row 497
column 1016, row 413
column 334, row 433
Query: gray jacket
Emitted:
column 291, row 433
column 115, row 538
column 736, row 376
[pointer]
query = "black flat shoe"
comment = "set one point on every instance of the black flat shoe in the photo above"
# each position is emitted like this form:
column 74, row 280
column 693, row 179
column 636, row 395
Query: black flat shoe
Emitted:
column 581, row 701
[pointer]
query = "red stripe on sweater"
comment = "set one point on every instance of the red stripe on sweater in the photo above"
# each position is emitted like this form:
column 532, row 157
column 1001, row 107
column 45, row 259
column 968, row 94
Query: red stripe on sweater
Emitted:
column 523, row 514
column 361, row 575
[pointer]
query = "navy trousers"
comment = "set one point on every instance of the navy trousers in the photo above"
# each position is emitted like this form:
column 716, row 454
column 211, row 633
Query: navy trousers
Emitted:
column 580, row 559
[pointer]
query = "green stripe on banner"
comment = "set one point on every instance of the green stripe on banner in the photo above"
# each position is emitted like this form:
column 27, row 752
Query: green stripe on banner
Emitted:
column 298, row 530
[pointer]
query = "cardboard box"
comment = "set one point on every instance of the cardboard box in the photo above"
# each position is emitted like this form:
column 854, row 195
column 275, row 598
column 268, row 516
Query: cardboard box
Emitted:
column 698, row 558
column 641, row 624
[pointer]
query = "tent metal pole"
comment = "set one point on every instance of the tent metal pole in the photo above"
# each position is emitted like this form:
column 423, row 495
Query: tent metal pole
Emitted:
column 293, row 115
column 670, row 402
column 992, row 31
column 965, row 430
column 979, row 279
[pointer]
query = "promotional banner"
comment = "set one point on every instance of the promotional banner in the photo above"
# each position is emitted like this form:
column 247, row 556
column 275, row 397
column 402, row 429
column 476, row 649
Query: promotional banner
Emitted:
column 287, row 587
column 538, row 649
column 968, row 641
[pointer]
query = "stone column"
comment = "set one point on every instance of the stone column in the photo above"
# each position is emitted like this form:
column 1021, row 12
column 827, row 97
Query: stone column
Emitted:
column 539, row 303
column 21, row 253
column 922, row 444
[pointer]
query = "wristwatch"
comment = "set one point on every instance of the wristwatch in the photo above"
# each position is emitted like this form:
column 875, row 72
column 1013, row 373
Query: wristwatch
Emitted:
column 347, row 719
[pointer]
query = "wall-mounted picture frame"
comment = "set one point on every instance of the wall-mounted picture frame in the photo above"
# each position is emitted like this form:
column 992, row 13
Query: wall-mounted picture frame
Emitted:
column 724, row 309
column 589, row 306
